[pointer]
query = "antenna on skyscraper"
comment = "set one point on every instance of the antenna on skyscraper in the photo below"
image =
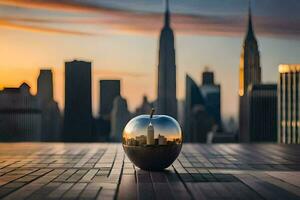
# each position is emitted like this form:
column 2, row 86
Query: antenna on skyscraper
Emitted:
column 167, row 5
column 167, row 14
column 249, row 8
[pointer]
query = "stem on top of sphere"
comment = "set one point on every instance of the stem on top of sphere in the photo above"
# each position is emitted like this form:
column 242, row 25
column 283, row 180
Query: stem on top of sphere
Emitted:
column 152, row 112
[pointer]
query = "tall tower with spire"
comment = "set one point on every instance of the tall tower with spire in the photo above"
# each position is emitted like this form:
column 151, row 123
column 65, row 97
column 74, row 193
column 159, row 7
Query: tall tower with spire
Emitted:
column 250, row 71
column 166, row 97
column 249, row 74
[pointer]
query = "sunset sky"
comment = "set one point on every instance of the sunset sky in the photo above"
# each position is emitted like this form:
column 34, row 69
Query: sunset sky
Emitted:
column 120, row 37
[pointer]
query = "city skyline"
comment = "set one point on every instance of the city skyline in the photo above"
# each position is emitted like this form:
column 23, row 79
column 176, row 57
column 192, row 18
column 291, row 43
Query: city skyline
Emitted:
column 140, row 99
column 202, row 48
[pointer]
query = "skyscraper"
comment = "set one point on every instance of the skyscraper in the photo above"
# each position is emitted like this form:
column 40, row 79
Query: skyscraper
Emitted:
column 51, row 119
column 198, row 121
column 249, row 73
column 78, row 101
column 45, row 85
column 212, row 96
column 262, row 113
column 166, row 97
column 193, row 97
column 289, row 104
column 150, row 134
column 109, row 90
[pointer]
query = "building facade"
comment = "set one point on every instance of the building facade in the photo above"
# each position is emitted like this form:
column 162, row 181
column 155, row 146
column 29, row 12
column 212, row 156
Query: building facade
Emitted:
column 166, row 96
column 193, row 97
column 211, row 93
column 262, row 113
column 78, row 102
column 51, row 118
column 20, row 115
column 109, row 90
column 197, row 119
column 289, row 104
column 119, row 118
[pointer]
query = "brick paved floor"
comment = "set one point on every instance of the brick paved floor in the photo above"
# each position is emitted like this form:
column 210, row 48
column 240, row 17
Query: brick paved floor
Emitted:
column 101, row 171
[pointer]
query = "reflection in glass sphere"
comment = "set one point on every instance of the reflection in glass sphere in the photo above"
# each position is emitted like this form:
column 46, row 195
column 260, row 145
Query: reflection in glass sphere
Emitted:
column 152, row 142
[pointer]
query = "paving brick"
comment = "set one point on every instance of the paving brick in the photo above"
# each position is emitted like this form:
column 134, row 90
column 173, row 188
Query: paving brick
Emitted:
column 102, row 171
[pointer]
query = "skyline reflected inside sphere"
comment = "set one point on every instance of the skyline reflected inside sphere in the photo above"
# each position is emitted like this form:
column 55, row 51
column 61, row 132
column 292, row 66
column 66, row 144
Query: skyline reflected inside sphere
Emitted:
column 152, row 142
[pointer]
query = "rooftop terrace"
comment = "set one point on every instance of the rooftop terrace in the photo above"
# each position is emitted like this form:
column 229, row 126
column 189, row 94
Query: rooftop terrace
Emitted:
column 102, row 171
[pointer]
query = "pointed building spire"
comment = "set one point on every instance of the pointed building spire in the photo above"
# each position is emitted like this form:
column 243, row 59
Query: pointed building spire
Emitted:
column 250, row 32
column 249, row 16
column 167, row 13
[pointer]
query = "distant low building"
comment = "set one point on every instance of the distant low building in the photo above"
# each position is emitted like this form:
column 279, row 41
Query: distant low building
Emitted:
column 20, row 115
column 162, row 140
column 141, row 140
column 289, row 104
column 144, row 108
column 131, row 142
column 119, row 117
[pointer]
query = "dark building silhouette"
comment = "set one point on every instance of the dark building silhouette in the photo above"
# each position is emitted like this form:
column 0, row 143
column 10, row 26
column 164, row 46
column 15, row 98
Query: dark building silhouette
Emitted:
column 144, row 108
column 250, row 73
column 193, row 97
column 109, row 90
column 212, row 97
column 262, row 113
column 51, row 119
column 102, row 129
column 289, row 104
column 201, row 123
column 166, row 97
column 78, row 101
column 208, row 78
column 20, row 115
column 119, row 117
column 197, row 121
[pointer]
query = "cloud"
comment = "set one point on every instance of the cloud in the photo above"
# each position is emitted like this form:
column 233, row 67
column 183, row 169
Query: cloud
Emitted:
column 133, row 22
column 16, row 26
column 60, row 5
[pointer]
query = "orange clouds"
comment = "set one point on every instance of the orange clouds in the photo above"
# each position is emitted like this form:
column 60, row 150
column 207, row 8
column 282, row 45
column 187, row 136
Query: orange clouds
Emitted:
column 133, row 22
column 16, row 26
column 71, row 6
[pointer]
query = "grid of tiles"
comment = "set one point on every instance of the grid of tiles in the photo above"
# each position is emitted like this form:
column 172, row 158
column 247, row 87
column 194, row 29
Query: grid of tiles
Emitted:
column 102, row 171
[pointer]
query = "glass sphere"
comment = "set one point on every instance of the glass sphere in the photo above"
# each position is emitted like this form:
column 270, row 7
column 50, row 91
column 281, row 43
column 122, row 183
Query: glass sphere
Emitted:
column 152, row 142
